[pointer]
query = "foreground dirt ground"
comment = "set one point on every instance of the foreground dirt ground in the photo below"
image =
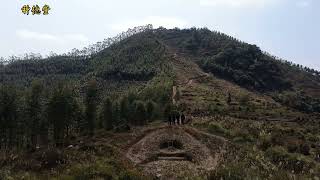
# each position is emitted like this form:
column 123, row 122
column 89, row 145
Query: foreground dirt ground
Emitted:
column 198, row 152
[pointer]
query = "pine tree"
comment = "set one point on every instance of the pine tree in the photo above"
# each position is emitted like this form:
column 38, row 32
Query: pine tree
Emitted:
column 150, row 108
column 8, row 116
column 116, row 114
column 91, row 105
column 168, row 110
column 106, row 114
column 61, row 112
column 140, row 114
column 124, row 108
column 34, row 112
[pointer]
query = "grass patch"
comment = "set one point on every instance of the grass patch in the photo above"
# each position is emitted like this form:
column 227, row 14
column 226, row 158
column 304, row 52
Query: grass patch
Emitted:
column 288, row 161
column 215, row 128
column 242, row 136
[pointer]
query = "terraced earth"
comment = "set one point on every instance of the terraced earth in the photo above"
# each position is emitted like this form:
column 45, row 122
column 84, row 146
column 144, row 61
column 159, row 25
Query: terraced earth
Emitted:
column 173, row 151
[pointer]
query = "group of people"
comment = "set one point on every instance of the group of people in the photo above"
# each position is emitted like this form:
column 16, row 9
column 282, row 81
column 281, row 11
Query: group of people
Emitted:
column 176, row 119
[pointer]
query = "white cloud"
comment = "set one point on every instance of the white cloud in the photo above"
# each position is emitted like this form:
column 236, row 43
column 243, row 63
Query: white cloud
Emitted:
column 303, row 3
column 76, row 37
column 156, row 21
column 237, row 3
column 26, row 34
column 30, row 35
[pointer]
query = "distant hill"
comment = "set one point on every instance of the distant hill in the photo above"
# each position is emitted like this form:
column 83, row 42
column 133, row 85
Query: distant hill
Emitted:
column 107, row 111
column 142, row 56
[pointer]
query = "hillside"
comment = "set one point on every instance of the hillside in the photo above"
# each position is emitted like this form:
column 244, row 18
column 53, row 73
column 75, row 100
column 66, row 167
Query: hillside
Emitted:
column 103, row 114
column 141, row 56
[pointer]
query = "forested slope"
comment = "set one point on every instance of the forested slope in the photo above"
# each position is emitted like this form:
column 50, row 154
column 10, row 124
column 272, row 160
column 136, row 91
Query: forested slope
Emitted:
column 141, row 56
column 79, row 102
column 247, row 66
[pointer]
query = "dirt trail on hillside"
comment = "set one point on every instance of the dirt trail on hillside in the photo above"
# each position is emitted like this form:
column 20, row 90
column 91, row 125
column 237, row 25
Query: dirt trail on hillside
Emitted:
column 185, row 69
column 217, row 153
column 199, row 152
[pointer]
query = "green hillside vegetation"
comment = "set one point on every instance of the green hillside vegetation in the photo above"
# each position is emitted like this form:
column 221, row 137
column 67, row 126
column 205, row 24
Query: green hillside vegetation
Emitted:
column 98, row 100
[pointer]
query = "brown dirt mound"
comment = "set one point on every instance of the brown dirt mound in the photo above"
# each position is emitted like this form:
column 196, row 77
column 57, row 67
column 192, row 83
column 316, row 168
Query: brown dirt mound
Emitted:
column 186, row 156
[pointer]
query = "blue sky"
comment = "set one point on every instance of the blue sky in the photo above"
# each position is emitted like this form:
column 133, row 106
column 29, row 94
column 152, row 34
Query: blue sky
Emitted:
column 286, row 28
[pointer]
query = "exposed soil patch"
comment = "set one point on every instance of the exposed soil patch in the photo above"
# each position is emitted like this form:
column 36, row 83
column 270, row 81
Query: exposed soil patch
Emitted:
column 173, row 152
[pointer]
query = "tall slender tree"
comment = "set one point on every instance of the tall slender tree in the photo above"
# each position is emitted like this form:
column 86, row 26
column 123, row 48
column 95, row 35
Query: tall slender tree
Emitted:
column 140, row 114
column 91, row 105
column 8, row 116
column 150, row 108
column 116, row 114
column 61, row 112
column 124, row 108
column 106, row 114
column 34, row 113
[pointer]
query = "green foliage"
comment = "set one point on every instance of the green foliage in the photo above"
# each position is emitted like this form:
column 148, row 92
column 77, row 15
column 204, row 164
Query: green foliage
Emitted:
column 168, row 108
column 216, row 108
column 244, row 100
column 242, row 136
column 299, row 100
column 229, row 58
column 124, row 108
column 150, row 110
column 116, row 114
column 129, row 175
column 61, row 111
column 140, row 114
column 292, row 162
column 265, row 142
column 159, row 90
column 215, row 128
column 8, row 116
column 100, row 170
column 91, row 105
column 232, row 172
column 34, row 112
column 107, row 114
column 137, row 75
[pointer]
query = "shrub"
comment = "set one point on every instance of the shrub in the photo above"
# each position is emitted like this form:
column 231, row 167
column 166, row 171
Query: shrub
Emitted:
column 292, row 162
column 242, row 136
column 129, row 175
column 215, row 128
column 281, row 175
column 304, row 149
column 292, row 148
column 265, row 142
column 277, row 154
column 215, row 108
column 4, row 174
column 312, row 138
column 275, row 140
column 97, row 170
column 232, row 172
column 298, row 164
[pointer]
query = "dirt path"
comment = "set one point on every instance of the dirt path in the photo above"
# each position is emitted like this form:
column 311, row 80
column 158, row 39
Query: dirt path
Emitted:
column 218, row 154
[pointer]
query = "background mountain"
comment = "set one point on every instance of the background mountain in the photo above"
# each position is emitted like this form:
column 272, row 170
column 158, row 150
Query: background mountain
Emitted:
column 142, row 56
